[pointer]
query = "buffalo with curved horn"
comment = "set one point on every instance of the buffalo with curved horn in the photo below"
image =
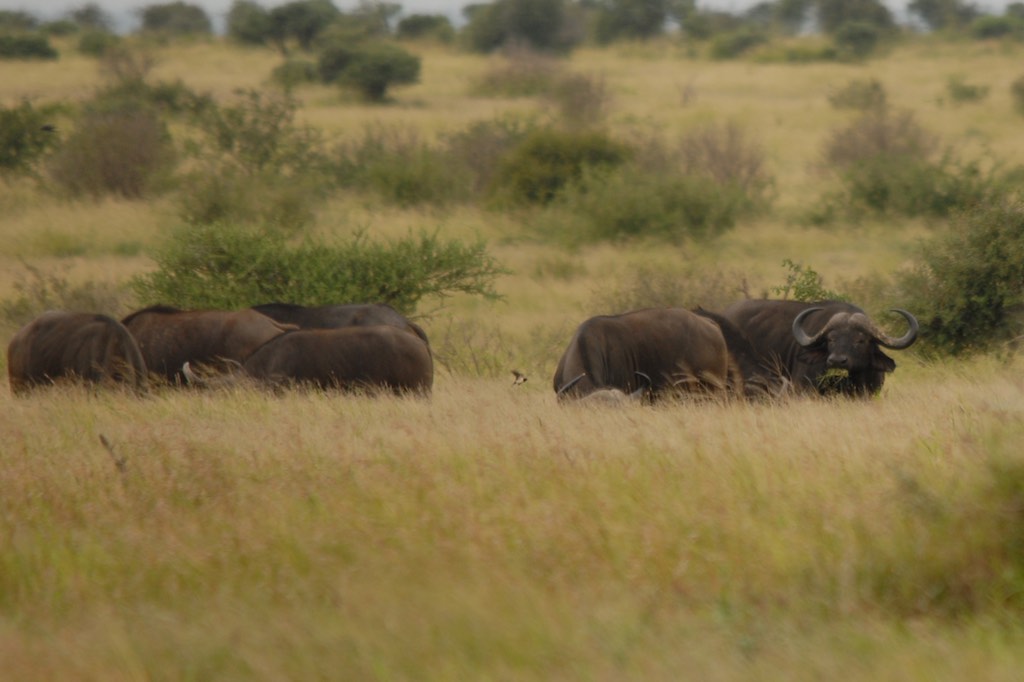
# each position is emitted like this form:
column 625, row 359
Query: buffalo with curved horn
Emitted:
column 828, row 347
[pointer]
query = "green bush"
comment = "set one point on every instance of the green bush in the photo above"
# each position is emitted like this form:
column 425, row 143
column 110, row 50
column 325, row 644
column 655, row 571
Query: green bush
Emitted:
column 26, row 134
column 860, row 95
column 248, row 23
column 376, row 67
column 580, row 99
column 519, row 72
column 627, row 202
column 803, row 283
column 857, row 39
column 970, row 279
column 214, row 194
column 480, row 148
column 993, row 27
column 548, row 159
column 1017, row 94
column 96, row 43
column 121, row 149
column 36, row 292
column 425, row 26
column 960, row 91
column 26, row 46
column 176, row 18
column 294, row 72
column 228, row 266
column 735, row 43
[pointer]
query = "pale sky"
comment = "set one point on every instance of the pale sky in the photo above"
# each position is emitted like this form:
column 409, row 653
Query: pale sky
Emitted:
column 125, row 14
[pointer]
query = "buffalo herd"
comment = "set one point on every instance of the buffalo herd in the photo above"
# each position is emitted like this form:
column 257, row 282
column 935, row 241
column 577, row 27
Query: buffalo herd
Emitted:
column 756, row 348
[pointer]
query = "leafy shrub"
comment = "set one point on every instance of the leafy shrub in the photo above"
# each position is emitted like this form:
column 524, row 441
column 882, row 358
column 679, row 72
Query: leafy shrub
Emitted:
column 17, row 21
column 886, row 163
column 580, row 99
column 802, row 51
column 1017, row 94
column 549, row 159
column 803, row 283
column 969, row 280
column 400, row 168
column 421, row 26
column 256, row 165
column 26, row 46
column 909, row 186
column 215, row 194
column 294, row 72
column 228, row 266
column 857, row 39
column 248, row 23
column 257, row 133
column 960, row 91
column 480, row 148
column 877, row 132
column 370, row 68
column 735, row 43
column 626, row 201
column 860, row 95
column 679, row 284
column 376, row 67
column 519, row 72
column 993, row 27
column 36, row 292
column 26, row 133
column 537, row 24
column 97, row 43
column 123, row 149
column 178, row 18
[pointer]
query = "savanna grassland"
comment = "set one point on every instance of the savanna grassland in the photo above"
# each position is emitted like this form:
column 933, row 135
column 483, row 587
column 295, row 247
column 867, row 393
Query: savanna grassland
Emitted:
column 487, row 532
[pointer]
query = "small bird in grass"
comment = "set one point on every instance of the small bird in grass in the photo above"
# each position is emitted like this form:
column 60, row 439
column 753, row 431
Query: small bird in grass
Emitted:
column 520, row 378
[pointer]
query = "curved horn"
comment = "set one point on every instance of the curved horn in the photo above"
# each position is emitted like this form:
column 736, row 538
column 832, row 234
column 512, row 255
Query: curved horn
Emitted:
column 569, row 384
column 639, row 392
column 798, row 331
column 904, row 341
column 190, row 376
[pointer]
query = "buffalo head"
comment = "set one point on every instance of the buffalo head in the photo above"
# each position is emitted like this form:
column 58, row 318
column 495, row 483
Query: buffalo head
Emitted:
column 849, row 341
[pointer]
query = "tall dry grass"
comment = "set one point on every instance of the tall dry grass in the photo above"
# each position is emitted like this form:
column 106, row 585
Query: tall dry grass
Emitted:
column 489, row 533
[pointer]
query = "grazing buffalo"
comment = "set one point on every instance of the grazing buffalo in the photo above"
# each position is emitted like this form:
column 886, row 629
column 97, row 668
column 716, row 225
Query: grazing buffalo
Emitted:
column 828, row 347
column 84, row 346
column 382, row 357
column 337, row 316
column 674, row 350
column 169, row 337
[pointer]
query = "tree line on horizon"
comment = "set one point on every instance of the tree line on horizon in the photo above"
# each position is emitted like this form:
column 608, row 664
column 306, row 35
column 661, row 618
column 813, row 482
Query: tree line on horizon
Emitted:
column 855, row 27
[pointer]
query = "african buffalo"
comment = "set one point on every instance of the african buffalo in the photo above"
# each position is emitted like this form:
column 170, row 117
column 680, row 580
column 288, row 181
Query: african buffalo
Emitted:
column 85, row 346
column 676, row 349
column 350, row 357
column 337, row 316
column 829, row 347
column 169, row 337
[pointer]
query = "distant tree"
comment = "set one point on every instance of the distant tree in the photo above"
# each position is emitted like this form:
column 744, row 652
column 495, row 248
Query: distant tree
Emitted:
column 1015, row 9
column 940, row 14
column 540, row 24
column 377, row 15
column 792, row 14
column 705, row 24
column 179, row 18
column 302, row 21
column 629, row 19
column 832, row 14
column 857, row 39
column 371, row 68
column 18, row 20
column 416, row 26
column 248, row 22
column 26, row 46
column 91, row 16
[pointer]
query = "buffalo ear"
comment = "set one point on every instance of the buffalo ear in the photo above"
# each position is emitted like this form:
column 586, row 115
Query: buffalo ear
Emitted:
column 882, row 362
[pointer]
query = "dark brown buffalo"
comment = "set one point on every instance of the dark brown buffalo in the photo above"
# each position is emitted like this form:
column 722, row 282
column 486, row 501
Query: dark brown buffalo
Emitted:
column 341, row 315
column 673, row 349
column 84, row 346
column 828, row 347
column 169, row 337
column 380, row 357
